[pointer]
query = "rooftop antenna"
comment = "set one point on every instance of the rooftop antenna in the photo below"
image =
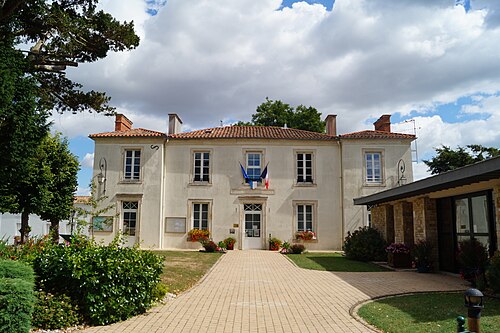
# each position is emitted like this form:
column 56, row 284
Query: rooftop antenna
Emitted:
column 221, row 123
column 414, row 148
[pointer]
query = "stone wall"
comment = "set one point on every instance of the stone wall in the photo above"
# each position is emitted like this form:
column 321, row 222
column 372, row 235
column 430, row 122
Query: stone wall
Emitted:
column 403, row 222
column 425, row 224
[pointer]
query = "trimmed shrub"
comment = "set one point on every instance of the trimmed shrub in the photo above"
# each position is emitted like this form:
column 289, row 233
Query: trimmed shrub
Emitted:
column 493, row 273
column 16, row 297
column 109, row 283
column 473, row 259
column 209, row 246
column 54, row 311
column 297, row 248
column 365, row 244
column 16, row 270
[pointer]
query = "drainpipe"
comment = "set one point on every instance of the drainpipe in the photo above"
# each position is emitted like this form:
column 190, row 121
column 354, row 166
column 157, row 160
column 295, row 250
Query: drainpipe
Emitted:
column 342, row 191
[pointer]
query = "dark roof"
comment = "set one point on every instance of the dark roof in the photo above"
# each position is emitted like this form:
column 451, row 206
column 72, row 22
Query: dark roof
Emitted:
column 474, row 173
column 376, row 135
column 253, row 132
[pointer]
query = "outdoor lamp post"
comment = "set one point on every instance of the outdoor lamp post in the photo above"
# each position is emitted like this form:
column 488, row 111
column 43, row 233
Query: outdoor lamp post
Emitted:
column 474, row 303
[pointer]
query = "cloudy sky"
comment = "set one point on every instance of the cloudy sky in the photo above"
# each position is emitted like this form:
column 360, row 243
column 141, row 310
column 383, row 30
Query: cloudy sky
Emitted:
column 436, row 62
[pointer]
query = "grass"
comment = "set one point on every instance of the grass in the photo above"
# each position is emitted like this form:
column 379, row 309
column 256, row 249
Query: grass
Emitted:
column 334, row 262
column 184, row 268
column 430, row 313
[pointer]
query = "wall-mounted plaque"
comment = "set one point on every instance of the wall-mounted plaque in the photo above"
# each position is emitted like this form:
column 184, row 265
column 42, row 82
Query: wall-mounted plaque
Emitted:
column 175, row 224
column 102, row 223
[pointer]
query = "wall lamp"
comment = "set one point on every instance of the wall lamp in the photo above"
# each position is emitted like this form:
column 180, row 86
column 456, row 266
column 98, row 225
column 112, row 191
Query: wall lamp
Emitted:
column 102, row 176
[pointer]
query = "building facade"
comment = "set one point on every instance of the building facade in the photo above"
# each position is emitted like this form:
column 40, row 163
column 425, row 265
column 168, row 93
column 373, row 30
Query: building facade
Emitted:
column 247, row 182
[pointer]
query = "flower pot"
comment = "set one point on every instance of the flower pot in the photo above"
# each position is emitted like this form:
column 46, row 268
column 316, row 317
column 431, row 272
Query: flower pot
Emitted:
column 399, row 260
column 230, row 246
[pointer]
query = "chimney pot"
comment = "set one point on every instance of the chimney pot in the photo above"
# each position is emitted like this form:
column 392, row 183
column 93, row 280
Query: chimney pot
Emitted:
column 331, row 124
column 383, row 123
column 174, row 123
column 122, row 123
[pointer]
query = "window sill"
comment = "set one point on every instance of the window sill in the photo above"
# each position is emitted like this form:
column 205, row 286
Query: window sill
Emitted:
column 126, row 181
column 305, row 185
column 305, row 240
column 374, row 184
column 200, row 184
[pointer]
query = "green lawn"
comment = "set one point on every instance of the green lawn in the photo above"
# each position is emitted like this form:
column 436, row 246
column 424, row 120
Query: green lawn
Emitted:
column 430, row 313
column 334, row 262
column 184, row 268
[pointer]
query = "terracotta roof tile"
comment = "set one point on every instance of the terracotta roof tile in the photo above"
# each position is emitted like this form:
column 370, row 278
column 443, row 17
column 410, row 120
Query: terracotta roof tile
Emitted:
column 81, row 199
column 135, row 132
column 377, row 135
column 252, row 132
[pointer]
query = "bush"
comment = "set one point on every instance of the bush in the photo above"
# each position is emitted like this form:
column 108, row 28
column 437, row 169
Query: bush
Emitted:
column 209, row 246
column 274, row 244
column 109, row 283
column 230, row 241
column 473, row 259
column 16, row 297
column 297, row 248
column 159, row 292
column 54, row 311
column 493, row 273
column 24, row 252
column 365, row 244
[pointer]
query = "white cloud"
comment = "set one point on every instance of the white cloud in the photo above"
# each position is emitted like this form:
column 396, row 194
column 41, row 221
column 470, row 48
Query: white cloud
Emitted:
column 83, row 190
column 88, row 161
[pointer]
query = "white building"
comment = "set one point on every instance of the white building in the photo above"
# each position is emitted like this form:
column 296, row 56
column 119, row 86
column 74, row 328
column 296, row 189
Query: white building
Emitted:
column 164, row 185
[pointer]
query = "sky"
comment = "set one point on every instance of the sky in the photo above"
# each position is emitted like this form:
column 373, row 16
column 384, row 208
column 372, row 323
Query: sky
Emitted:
column 434, row 65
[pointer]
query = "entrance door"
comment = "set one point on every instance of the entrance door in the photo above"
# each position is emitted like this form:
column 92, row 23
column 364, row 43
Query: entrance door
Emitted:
column 252, row 237
column 130, row 216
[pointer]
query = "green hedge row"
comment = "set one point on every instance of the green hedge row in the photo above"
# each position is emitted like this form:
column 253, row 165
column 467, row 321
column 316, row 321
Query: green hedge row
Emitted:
column 109, row 283
column 16, row 297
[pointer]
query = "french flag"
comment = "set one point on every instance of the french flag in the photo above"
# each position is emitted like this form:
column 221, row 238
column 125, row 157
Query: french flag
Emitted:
column 265, row 176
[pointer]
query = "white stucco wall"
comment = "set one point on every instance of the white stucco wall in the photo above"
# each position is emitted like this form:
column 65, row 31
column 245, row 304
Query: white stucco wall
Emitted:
column 227, row 191
column 148, row 190
column 354, row 185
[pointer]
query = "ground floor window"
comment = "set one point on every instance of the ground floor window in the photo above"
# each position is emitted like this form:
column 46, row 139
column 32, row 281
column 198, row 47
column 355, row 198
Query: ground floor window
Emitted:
column 129, row 216
column 305, row 216
column 473, row 218
column 200, row 216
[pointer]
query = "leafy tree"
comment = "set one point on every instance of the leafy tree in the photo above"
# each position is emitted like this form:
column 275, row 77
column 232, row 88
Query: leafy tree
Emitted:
column 448, row 159
column 23, row 125
column 277, row 113
column 64, row 167
column 64, row 33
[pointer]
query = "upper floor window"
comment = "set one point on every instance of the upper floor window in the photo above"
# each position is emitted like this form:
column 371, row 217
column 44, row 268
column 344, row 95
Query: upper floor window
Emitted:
column 200, row 216
column 201, row 167
column 304, row 168
column 132, row 167
column 373, row 167
column 254, row 165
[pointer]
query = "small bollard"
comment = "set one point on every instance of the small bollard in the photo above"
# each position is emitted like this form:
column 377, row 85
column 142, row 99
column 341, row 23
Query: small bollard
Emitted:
column 474, row 304
column 460, row 324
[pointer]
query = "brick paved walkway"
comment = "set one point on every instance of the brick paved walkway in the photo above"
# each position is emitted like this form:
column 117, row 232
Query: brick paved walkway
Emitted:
column 261, row 291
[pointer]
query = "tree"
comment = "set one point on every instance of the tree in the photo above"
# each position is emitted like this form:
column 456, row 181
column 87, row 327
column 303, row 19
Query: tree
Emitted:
column 64, row 33
column 64, row 167
column 23, row 125
column 448, row 159
column 277, row 113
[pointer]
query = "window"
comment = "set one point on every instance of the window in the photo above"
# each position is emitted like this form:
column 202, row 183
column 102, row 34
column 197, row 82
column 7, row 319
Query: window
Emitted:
column 201, row 167
column 472, row 218
column 129, row 216
column 304, row 217
column 132, row 169
column 200, row 216
column 304, row 168
column 254, row 163
column 373, row 165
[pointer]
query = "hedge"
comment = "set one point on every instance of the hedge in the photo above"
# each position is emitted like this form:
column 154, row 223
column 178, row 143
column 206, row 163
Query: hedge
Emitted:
column 16, row 297
column 109, row 283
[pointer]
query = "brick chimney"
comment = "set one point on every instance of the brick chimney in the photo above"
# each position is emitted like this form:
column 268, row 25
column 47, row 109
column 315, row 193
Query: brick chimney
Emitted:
column 383, row 123
column 122, row 123
column 174, row 123
column 331, row 124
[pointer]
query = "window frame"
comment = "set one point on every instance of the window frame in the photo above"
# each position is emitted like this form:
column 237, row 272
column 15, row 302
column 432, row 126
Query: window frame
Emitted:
column 373, row 182
column 314, row 213
column 124, row 178
column 313, row 168
column 261, row 152
column 130, row 210
column 193, row 167
column 191, row 209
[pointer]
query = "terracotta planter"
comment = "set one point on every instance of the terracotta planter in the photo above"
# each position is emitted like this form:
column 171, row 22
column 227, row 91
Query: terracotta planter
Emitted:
column 230, row 246
column 399, row 260
column 273, row 248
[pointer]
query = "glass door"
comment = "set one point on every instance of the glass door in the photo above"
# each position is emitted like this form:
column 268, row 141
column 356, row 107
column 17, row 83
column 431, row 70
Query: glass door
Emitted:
column 252, row 237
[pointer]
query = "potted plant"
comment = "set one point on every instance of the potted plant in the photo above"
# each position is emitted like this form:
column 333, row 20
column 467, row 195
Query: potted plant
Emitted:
column 197, row 235
column 230, row 241
column 422, row 253
column 305, row 235
column 274, row 244
column 398, row 255
column 285, row 248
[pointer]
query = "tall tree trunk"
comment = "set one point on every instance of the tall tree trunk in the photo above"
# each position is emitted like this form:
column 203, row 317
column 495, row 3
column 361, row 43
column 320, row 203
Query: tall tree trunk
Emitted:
column 24, row 226
column 54, row 230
